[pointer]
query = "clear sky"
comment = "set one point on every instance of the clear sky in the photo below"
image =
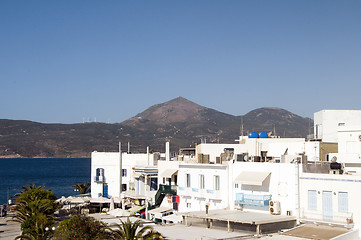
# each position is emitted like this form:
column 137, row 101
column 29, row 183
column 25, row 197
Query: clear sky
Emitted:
column 69, row 61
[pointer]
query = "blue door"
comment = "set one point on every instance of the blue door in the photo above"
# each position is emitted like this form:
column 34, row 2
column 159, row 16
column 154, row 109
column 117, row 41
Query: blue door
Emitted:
column 105, row 190
column 327, row 205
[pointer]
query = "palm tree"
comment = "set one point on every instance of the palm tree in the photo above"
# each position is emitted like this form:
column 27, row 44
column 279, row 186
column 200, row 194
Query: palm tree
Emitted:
column 129, row 231
column 82, row 188
column 34, row 208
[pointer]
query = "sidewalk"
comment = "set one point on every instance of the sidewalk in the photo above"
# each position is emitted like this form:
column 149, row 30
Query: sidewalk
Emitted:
column 8, row 230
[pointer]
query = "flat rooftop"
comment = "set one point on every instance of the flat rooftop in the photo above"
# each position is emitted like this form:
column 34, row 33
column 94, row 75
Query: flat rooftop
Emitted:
column 236, row 221
column 316, row 232
column 247, row 217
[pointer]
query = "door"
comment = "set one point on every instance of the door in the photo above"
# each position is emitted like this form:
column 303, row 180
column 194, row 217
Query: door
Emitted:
column 105, row 190
column 327, row 205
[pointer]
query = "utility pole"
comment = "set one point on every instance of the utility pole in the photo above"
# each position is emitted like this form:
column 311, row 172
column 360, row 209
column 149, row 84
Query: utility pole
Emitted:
column 121, row 169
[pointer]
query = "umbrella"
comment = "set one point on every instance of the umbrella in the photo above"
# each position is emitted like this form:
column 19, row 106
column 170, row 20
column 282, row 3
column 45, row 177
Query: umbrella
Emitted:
column 111, row 207
column 118, row 212
column 61, row 200
column 100, row 200
column 77, row 200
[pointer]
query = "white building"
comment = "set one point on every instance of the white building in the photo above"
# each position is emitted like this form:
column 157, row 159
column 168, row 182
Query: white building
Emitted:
column 139, row 175
column 257, row 173
column 293, row 175
column 326, row 123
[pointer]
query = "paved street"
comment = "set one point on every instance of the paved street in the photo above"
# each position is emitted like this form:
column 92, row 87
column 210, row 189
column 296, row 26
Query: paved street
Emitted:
column 8, row 230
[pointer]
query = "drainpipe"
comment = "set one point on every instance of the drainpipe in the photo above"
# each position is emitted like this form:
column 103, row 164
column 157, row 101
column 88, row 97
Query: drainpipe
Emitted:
column 230, row 185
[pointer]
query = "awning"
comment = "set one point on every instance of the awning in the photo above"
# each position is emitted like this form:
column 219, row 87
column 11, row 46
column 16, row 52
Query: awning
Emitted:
column 173, row 218
column 135, row 209
column 168, row 172
column 158, row 212
column 161, row 210
column 251, row 178
column 100, row 200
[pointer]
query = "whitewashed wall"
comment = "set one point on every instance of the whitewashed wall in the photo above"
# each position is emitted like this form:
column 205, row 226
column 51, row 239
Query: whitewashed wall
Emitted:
column 336, row 184
column 326, row 122
column 282, row 185
column 197, row 198
column 110, row 162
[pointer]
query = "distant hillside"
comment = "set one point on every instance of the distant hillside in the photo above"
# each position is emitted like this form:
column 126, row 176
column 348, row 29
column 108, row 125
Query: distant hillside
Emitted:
column 181, row 121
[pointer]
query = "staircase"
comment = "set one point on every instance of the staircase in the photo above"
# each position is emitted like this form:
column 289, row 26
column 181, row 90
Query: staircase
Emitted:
column 162, row 191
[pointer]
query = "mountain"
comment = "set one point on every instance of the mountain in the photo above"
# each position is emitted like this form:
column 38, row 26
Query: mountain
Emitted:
column 182, row 122
column 283, row 122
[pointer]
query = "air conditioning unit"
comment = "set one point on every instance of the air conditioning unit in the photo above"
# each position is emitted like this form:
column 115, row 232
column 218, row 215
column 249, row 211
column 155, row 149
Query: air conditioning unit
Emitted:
column 274, row 207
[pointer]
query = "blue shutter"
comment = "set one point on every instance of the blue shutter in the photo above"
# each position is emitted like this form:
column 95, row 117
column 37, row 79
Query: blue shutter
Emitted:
column 327, row 205
column 312, row 200
column 343, row 202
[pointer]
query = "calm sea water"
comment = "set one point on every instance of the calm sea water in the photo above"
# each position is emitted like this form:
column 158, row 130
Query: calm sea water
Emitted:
column 57, row 174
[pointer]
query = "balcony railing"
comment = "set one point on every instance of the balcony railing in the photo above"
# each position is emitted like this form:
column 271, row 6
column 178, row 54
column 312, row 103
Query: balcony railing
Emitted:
column 337, row 217
column 99, row 179
column 253, row 199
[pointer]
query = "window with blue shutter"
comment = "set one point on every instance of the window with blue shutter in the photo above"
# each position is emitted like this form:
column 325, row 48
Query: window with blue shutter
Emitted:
column 312, row 200
column 343, row 202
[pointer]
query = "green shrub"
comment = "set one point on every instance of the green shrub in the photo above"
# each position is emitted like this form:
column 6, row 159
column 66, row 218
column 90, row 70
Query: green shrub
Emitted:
column 80, row 228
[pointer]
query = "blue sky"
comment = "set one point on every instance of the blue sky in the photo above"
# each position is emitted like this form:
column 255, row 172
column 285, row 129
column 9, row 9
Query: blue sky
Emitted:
column 66, row 61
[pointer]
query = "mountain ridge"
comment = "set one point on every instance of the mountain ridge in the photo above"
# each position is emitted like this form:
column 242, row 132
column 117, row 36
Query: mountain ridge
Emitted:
column 179, row 120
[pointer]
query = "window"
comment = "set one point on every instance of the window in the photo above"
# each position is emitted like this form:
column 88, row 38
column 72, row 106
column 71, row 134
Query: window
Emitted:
column 216, row 182
column 188, row 179
column 236, row 185
column 188, row 205
column 124, row 187
column 153, row 184
column 201, row 181
column 312, row 199
column 164, row 180
column 124, row 172
column 343, row 202
column 99, row 175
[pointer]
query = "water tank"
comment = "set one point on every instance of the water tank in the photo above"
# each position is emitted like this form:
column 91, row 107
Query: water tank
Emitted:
column 263, row 135
column 253, row 135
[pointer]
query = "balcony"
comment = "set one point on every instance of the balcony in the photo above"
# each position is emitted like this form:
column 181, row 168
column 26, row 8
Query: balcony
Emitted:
column 253, row 199
column 317, row 215
column 99, row 179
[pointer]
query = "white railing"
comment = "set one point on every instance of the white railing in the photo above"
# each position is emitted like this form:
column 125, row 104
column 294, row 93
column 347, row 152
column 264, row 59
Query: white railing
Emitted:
column 338, row 217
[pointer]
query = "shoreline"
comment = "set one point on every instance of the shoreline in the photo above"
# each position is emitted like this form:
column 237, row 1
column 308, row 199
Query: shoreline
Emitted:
column 14, row 157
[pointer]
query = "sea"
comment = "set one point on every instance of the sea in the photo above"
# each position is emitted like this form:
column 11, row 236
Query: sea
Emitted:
column 56, row 174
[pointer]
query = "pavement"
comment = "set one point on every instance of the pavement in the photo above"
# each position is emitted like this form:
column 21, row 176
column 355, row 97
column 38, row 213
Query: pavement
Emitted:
column 9, row 230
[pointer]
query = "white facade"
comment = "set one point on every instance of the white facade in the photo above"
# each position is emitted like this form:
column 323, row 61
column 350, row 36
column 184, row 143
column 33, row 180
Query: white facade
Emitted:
column 281, row 185
column 107, row 181
column 349, row 146
column 331, row 198
column 326, row 123
column 201, row 184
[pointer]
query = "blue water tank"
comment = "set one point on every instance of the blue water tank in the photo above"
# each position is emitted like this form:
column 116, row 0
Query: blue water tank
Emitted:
column 253, row 135
column 263, row 135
